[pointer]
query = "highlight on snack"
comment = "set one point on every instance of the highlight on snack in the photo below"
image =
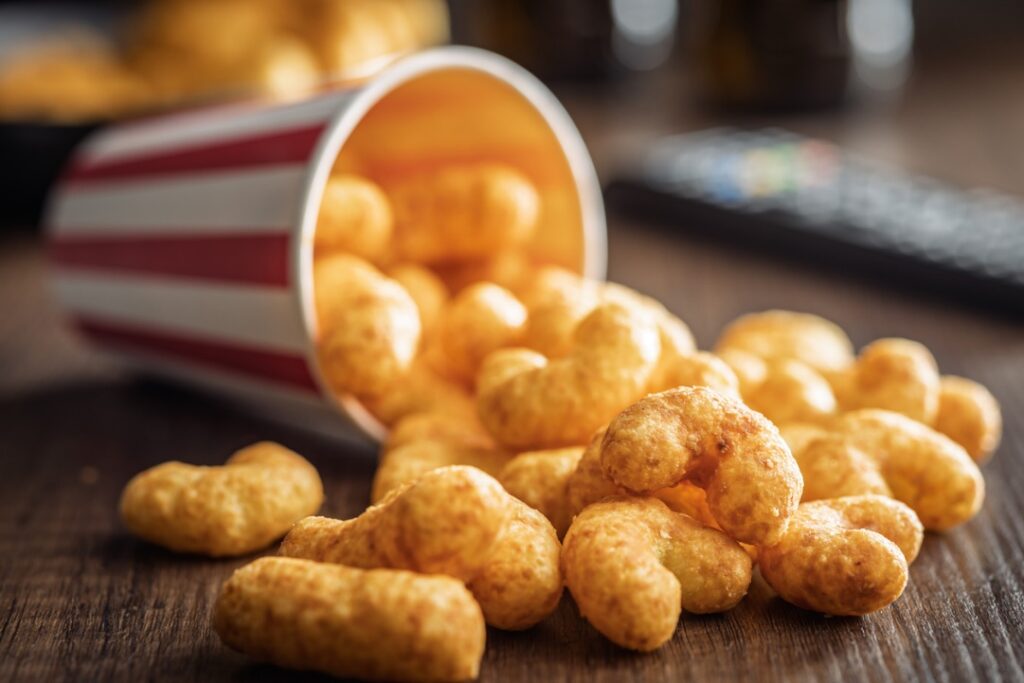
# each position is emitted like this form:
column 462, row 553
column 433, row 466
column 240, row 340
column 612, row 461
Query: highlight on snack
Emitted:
column 235, row 509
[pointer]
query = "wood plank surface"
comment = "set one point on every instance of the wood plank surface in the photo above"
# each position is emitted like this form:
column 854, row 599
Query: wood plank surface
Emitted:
column 82, row 601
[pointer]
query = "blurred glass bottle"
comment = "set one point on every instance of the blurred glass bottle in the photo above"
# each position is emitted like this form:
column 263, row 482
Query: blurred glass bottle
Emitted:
column 766, row 54
column 581, row 39
column 771, row 53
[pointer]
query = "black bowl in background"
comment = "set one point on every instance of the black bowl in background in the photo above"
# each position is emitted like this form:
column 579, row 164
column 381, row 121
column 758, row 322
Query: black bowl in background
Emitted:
column 32, row 156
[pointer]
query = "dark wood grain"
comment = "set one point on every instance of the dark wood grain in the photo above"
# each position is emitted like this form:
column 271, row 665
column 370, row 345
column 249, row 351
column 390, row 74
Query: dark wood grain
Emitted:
column 80, row 600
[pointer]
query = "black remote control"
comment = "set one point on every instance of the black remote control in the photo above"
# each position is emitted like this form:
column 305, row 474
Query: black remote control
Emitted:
column 778, row 190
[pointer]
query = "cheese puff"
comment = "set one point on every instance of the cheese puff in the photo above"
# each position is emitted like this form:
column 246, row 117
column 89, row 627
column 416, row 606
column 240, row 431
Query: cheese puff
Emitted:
column 369, row 326
column 540, row 479
column 281, row 67
column 798, row 434
column 632, row 566
column 549, row 284
column 737, row 456
column 847, row 556
column 355, row 217
column 833, row 467
column 588, row 484
column 676, row 339
column 750, row 370
column 379, row 624
column 792, row 392
column 925, row 469
column 784, row 335
column 453, row 429
column 698, row 369
column 969, row 414
column 555, row 315
column 480, row 319
column 427, row 290
column 423, row 390
column 527, row 402
column 510, row 268
column 892, row 374
column 521, row 584
column 456, row 521
column 429, row 441
column 235, row 509
column 445, row 522
column 462, row 212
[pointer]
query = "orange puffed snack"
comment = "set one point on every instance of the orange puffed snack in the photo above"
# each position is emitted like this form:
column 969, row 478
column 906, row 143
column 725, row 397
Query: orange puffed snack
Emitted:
column 423, row 390
column 698, row 369
column 633, row 565
column 845, row 556
column 480, row 319
column 892, row 374
column 785, row 335
column 792, row 391
column 969, row 414
column 527, row 402
column 355, row 217
column 456, row 521
column 428, row 441
column 427, row 290
column 462, row 212
column 378, row 624
column 588, row 484
column 833, row 466
column 369, row 326
column 925, row 469
column 540, row 479
column 235, row 509
column 694, row 434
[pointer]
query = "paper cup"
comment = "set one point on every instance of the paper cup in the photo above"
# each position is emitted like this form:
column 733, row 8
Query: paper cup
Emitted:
column 182, row 244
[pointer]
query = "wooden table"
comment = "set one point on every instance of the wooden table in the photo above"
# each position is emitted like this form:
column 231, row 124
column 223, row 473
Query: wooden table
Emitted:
column 81, row 600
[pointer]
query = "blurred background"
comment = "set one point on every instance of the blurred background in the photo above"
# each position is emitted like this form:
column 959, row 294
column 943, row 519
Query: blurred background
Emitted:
column 930, row 88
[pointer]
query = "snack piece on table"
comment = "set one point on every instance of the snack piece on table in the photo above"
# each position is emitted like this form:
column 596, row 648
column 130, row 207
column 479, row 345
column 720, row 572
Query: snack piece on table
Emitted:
column 456, row 521
column 379, row 624
column 234, row 509
column 845, row 556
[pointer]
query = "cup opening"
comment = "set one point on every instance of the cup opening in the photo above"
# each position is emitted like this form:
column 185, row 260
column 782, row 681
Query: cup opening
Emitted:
column 458, row 105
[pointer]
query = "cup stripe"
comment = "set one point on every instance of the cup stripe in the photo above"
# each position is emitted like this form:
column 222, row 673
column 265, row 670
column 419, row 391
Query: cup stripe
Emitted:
column 244, row 314
column 252, row 258
column 268, row 149
column 252, row 200
column 278, row 367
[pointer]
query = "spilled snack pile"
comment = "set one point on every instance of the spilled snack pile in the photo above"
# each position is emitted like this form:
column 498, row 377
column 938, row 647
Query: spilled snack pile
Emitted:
column 547, row 431
column 178, row 51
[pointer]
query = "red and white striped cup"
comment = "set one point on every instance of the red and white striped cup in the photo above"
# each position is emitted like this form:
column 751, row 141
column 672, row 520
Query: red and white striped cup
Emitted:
column 182, row 244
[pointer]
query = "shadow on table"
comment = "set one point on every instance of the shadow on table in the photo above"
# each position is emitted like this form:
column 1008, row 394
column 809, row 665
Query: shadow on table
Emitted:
column 122, row 550
column 130, row 424
column 266, row 672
